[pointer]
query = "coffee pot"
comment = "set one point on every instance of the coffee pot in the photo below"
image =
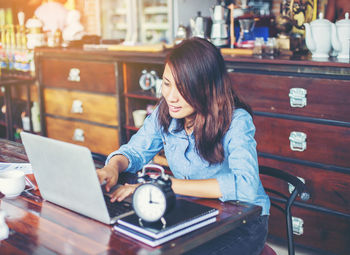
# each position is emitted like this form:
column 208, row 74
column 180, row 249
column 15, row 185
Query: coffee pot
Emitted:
column 219, row 30
column 246, row 37
column 319, row 35
column 341, row 42
column 181, row 34
column 200, row 26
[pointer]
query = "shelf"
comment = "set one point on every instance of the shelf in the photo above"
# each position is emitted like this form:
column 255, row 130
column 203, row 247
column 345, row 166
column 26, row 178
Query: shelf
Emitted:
column 3, row 123
column 156, row 10
column 121, row 26
column 156, row 26
column 147, row 95
column 121, row 11
column 135, row 98
column 133, row 128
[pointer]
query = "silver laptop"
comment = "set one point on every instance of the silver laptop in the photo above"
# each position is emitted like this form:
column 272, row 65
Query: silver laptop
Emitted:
column 66, row 175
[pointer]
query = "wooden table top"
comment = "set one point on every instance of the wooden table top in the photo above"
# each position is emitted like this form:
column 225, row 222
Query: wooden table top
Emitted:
column 45, row 228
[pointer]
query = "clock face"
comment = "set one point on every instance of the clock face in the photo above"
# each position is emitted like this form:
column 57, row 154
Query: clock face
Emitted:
column 147, row 81
column 149, row 202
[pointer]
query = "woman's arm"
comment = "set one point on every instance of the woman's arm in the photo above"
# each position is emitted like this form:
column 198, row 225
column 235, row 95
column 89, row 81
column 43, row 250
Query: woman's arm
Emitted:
column 140, row 149
column 208, row 188
column 110, row 172
column 143, row 145
column 242, row 181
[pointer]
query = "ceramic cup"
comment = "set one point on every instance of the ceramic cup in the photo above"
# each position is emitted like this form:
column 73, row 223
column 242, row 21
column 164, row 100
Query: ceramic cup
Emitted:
column 12, row 183
column 139, row 116
column 159, row 83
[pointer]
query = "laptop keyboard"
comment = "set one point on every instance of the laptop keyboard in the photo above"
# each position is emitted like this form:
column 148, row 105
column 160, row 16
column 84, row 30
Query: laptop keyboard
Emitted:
column 117, row 208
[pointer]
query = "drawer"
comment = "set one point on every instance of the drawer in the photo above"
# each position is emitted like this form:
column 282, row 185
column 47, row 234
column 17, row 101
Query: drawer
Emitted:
column 325, row 232
column 323, row 144
column 325, row 98
column 327, row 189
column 79, row 75
column 85, row 106
column 97, row 138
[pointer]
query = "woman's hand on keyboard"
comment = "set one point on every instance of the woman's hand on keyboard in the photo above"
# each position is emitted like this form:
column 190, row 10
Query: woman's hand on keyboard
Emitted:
column 108, row 175
column 123, row 191
column 110, row 172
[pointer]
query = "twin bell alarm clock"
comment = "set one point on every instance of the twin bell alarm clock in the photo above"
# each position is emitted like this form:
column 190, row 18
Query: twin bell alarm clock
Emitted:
column 148, row 80
column 154, row 197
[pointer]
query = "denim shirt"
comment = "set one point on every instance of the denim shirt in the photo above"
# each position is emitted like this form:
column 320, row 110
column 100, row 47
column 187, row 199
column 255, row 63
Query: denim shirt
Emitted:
column 237, row 175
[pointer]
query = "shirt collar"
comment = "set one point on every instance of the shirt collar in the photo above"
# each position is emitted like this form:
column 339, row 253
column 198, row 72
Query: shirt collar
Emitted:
column 172, row 129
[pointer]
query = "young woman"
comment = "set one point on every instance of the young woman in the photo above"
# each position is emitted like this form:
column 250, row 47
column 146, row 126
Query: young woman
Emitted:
column 207, row 134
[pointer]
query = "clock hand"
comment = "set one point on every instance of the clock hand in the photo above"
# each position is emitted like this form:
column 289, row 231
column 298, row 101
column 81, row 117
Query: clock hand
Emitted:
column 150, row 198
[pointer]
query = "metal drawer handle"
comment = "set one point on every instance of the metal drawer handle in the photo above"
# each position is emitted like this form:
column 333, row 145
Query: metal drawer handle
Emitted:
column 77, row 106
column 297, row 141
column 74, row 75
column 78, row 135
column 304, row 195
column 298, row 226
column 297, row 97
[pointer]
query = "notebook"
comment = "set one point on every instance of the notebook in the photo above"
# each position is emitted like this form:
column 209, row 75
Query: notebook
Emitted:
column 185, row 217
column 154, row 241
column 66, row 175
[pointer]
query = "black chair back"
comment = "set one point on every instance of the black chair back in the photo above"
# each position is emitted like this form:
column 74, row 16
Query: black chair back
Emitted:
column 299, row 189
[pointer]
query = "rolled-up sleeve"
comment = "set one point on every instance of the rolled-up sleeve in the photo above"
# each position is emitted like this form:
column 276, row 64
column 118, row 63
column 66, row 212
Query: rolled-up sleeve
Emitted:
column 142, row 146
column 241, row 182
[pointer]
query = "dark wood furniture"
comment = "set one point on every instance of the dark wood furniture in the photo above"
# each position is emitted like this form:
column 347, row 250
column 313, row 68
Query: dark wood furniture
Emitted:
column 79, row 97
column 8, row 82
column 284, row 202
column 107, row 87
column 45, row 228
column 302, row 119
column 322, row 160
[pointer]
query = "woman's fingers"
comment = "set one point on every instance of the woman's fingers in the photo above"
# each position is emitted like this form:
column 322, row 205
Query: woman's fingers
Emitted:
column 124, row 191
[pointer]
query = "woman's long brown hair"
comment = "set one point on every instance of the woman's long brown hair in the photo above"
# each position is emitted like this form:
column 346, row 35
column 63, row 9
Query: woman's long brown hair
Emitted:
column 201, row 78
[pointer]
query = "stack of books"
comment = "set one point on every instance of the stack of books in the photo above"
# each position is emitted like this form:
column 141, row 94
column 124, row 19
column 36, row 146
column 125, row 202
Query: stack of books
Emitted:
column 184, row 218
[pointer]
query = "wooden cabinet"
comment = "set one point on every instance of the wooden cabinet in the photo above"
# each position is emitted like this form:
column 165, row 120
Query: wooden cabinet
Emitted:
column 80, row 99
column 18, row 91
column 302, row 119
column 301, row 112
column 135, row 98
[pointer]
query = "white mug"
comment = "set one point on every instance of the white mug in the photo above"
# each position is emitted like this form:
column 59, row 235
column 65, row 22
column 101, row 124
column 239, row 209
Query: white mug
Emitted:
column 12, row 183
column 139, row 116
column 159, row 83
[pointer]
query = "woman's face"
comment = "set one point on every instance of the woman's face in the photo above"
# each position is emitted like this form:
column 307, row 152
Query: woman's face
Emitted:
column 178, row 107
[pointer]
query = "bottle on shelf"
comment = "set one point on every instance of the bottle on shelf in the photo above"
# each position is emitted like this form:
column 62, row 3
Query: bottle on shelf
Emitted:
column 35, row 111
column 12, row 47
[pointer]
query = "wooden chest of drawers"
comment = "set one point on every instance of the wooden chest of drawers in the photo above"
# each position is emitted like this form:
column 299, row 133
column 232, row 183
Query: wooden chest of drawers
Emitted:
column 302, row 118
column 80, row 100
column 302, row 124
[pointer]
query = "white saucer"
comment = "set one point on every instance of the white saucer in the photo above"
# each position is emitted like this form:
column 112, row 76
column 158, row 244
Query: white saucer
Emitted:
column 12, row 196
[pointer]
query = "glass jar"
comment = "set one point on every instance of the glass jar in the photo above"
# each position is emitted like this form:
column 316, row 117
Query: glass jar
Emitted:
column 271, row 46
column 258, row 46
